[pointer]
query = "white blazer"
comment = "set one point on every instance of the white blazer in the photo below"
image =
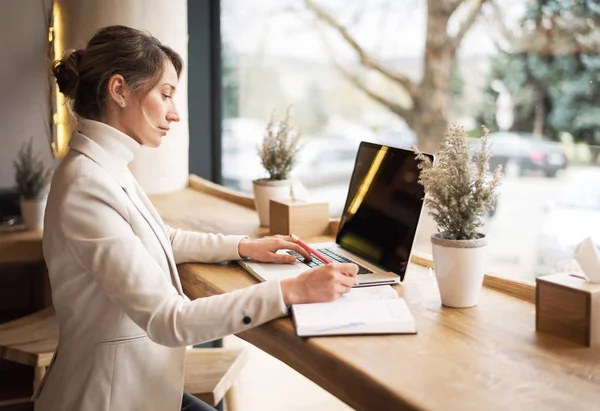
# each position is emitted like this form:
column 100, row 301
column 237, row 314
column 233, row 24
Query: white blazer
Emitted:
column 124, row 320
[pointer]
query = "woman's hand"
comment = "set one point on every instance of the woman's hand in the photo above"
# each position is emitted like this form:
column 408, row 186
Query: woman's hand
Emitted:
column 320, row 284
column 265, row 249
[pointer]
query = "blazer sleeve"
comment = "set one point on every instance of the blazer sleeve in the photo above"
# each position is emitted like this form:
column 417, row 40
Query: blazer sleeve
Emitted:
column 99, row 237
column 190, row 246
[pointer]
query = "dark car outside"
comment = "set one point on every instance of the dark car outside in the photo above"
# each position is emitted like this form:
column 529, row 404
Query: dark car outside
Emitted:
column 529, row 152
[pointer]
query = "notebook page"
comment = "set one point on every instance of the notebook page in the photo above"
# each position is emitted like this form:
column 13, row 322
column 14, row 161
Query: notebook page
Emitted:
column 379, row 292
column 320, row 317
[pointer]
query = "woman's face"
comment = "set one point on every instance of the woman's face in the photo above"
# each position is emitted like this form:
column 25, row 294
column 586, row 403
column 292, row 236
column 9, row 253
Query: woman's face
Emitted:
column 150, row 119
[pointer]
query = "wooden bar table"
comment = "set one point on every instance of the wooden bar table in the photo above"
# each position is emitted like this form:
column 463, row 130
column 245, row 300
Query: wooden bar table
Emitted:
column 484, row 358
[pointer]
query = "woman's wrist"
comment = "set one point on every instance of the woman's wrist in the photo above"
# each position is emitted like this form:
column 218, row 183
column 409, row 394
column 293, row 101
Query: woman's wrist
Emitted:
column 290, row 291
column 242, row 247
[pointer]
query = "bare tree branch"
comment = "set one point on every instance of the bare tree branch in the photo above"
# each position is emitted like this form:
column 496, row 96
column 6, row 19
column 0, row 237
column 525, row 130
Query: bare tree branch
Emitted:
column 359, row 10
column 467, row 22
column 366, row 60
column 497, row 19
column 401, row 111
column 456, row 5
column 406, row 113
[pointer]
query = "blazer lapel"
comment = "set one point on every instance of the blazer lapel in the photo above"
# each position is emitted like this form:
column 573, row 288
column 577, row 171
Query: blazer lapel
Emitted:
column 141, row 195
column 89, row 148
column 158, row 231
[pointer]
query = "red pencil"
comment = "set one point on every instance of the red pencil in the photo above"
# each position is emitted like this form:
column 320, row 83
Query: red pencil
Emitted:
column 308, row 248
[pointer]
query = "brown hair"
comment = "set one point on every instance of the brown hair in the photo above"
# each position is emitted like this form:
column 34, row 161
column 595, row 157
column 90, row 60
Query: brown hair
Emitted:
column 82, row 75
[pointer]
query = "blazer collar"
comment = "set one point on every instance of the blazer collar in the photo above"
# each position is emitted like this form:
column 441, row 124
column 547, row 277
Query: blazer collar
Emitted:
column 106, row 146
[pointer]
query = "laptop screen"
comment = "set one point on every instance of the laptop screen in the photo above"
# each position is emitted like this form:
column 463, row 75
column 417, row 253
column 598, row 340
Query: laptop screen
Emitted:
column 383, row 206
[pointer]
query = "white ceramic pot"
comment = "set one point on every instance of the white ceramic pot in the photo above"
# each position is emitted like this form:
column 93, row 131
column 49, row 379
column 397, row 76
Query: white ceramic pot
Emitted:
column 32, row 211
column 264, row 191
column 459, row 269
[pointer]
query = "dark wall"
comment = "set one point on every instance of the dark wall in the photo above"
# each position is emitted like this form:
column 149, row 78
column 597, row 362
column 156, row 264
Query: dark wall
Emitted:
column 204, row 88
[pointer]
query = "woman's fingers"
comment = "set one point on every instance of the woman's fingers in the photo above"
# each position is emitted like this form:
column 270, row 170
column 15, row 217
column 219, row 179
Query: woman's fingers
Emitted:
column 326, row 283
column 280, row 258
column 342, row 289
column 347, row 281
column 295, row 247
column 349, row 271
column 289, row 243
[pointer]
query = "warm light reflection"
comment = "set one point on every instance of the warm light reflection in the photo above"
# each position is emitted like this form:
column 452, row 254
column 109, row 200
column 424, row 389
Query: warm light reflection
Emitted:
column 366, row 184
column 59, row 146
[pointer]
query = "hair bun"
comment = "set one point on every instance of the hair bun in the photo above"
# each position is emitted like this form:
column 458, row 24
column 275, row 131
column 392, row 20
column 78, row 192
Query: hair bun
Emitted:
column 66, row 72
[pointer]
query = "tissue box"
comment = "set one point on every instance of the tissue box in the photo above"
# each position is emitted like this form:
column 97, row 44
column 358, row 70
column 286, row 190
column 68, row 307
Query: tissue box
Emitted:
column 568, row 306
column 299, row 217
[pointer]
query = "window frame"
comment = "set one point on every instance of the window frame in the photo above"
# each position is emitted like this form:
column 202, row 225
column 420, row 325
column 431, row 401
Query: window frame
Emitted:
column 204, row 89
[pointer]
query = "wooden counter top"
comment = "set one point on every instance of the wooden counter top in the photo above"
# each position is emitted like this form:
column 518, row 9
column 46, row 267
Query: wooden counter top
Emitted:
column 486, row 357
column 20, row 246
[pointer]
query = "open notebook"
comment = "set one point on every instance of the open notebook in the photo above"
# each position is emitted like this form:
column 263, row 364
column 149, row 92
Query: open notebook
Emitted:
column 368, row 310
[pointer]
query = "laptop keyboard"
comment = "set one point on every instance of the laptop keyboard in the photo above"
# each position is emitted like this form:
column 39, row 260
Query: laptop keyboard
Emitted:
column 331, row 255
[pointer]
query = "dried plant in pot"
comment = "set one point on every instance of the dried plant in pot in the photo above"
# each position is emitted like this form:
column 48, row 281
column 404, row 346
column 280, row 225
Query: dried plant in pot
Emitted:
column 32, row 178
column 278, row 153
column 460, row 191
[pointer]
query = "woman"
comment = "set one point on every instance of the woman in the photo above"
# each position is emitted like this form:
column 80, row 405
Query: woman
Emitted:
column 124, row 320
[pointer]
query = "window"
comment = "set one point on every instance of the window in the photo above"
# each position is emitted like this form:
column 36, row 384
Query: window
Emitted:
column 369, row 71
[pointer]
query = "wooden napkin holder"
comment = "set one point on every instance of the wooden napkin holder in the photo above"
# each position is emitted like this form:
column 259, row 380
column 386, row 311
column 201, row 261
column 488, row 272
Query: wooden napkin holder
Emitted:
column 298, row 217
column 568, row 306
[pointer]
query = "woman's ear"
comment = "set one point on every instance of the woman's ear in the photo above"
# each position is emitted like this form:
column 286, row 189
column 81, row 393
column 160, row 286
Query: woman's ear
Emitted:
column 117, row 89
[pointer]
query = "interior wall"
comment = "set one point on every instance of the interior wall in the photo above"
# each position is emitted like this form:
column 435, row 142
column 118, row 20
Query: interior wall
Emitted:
column 23, row 83
column 25, row 71
column 163, row 169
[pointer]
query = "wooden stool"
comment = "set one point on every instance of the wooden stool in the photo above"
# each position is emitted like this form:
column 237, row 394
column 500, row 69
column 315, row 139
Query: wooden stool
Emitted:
column 30, row 340
column 210, row 374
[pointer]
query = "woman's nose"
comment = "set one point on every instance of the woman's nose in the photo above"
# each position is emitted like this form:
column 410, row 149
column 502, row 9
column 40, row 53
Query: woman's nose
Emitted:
column 173, row 115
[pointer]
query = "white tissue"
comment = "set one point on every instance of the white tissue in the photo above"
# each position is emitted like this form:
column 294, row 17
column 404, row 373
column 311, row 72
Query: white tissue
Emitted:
column 299, row 192
column 588, row 258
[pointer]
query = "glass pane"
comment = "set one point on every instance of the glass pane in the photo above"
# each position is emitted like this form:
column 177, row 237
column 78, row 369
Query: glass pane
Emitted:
column 369, row 70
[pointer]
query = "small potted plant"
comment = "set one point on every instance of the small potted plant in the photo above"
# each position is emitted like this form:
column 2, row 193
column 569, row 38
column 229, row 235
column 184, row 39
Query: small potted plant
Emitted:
column 460, row 192
column 278, row 154
column 32, row 179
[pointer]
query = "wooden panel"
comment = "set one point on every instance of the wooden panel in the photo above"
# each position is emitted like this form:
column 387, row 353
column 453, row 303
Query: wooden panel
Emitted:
column 23, row 289
column 35, row 353
column 210, row 372
column 334, row 226
column 568, row 306
column 563, row 313
column 595, row 320
column 20, row 246
column 300, row 218
column 30, row 340
column 16, row 288
column 16, row 404
column 15, row 387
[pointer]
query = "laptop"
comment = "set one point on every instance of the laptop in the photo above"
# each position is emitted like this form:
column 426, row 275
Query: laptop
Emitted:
column 379, row 222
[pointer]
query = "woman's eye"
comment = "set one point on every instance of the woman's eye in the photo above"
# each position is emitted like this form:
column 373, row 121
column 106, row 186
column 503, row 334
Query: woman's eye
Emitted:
column 166, row 96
